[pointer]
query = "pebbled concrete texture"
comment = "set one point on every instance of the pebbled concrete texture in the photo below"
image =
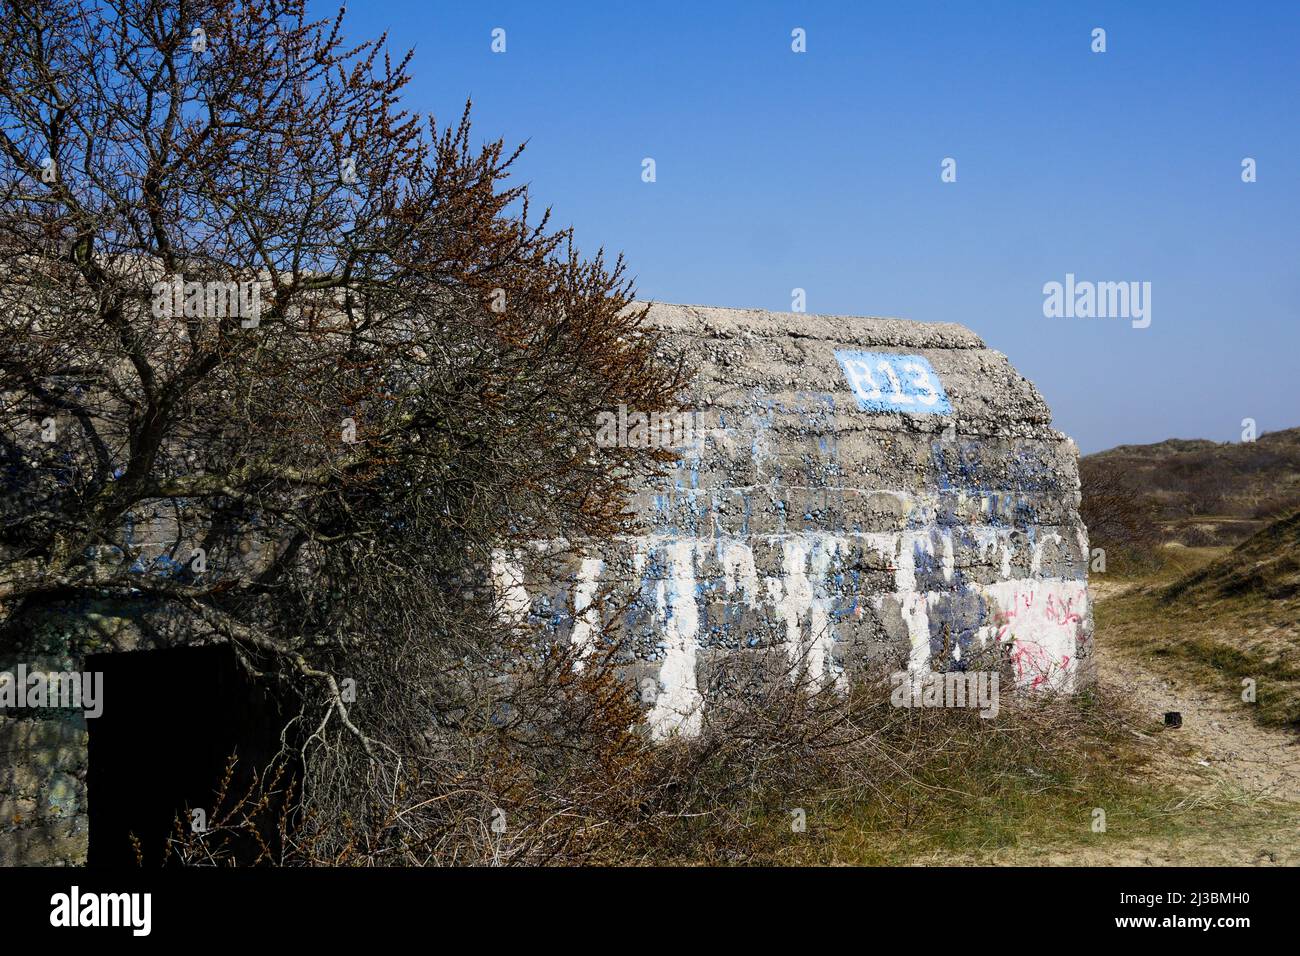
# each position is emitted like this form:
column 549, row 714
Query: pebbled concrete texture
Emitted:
column 43, row 818
column 822, row 516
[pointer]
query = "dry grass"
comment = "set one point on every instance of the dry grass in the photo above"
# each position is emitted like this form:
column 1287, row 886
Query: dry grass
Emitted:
column 872, row 785
column 964, row 788
column 575, row 780
column 1219, row 636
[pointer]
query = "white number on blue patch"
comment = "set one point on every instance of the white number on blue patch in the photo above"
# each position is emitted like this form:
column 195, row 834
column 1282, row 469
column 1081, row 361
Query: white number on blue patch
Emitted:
column 884, row 382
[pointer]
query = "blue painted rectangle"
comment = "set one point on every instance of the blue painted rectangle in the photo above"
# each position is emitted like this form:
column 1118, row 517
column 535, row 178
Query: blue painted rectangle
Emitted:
column 885, row 382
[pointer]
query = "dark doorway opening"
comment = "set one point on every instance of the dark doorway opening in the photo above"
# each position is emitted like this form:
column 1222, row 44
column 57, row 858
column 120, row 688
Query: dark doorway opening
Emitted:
column 171, row 720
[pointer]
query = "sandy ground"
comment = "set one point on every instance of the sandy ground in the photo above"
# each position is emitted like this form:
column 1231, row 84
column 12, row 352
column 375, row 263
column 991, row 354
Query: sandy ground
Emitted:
column 1225, row 747
column 1219, row 756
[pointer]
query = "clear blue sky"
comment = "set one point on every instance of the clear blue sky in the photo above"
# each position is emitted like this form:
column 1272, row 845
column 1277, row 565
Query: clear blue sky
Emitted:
column 821, row 170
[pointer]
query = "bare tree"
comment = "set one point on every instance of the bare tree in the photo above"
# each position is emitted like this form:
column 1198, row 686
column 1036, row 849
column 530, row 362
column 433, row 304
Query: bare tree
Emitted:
column 281, row 363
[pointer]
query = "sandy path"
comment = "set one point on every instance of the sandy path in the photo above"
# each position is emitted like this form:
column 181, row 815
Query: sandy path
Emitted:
column 1219, row 756
column 1219, row 753
column 1223, row 745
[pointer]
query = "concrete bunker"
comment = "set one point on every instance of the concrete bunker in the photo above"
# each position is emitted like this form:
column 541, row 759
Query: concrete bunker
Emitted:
column 851, row 488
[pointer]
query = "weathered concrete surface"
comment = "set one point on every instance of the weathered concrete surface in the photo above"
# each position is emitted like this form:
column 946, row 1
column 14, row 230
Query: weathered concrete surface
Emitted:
column 828, row 512
column 44, row 751
column 43, row 791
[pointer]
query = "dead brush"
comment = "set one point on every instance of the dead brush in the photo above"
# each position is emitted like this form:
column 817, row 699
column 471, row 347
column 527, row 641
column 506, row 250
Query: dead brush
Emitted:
column 856, row 760
column 556, row 769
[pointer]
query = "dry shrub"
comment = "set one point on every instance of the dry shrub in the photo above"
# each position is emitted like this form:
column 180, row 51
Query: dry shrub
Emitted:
column 1121, row 515
column 251, row 826
column 316, row 485
column 856, row 760
column 561, row 764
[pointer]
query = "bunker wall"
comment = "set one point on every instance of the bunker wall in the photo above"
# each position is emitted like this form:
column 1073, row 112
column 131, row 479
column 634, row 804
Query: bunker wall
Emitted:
column 853, row 490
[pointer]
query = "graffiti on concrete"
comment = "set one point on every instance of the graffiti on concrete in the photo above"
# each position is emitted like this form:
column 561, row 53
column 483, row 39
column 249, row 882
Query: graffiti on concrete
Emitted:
column 884, row 382
column 837, row 504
